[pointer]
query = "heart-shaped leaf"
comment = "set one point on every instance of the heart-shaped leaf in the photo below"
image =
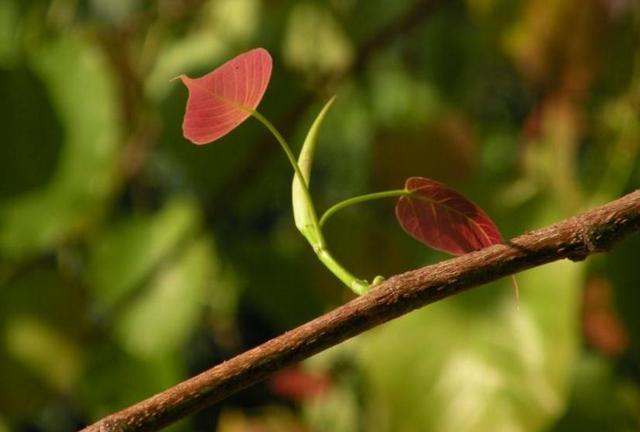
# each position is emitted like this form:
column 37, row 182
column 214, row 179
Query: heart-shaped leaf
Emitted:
column 443, row 218
column 221, row 100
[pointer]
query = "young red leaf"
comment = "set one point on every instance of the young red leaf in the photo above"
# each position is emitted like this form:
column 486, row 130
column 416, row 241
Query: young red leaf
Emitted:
column 224, row 98
column 444, row 219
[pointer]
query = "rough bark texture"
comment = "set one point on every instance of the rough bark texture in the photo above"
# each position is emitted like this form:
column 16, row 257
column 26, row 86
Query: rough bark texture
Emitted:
column 574, row 238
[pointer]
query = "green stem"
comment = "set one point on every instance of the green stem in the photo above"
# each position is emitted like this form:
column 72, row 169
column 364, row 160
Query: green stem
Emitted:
column 356, row 285
column 319, row 247
column 359, row 199
column 283, row 143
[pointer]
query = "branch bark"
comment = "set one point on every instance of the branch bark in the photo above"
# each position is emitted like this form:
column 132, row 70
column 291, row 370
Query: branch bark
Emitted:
column 574, row 238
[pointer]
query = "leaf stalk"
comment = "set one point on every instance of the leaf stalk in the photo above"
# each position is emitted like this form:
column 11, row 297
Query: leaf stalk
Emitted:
column 360, row 199
column 313, row 232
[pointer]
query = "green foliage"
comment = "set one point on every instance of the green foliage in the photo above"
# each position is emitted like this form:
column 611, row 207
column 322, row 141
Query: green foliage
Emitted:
column 130, row 259
column 72, row 72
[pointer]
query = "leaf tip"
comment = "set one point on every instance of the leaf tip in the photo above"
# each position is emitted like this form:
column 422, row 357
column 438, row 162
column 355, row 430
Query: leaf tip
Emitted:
column 180, row 77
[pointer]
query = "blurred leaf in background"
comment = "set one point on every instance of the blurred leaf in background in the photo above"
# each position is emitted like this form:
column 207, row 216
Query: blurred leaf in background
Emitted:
column 130, row 259
column 53, row 139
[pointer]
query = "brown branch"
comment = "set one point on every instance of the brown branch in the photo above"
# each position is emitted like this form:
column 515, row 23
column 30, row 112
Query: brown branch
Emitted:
column 575, row 238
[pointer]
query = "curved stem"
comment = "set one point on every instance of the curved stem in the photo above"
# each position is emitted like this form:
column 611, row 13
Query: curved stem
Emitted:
column 359, row 199
column 317, row 241
column 283, row 143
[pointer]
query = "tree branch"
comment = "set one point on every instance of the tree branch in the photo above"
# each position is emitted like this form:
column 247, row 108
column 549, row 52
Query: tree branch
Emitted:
column 574, row 238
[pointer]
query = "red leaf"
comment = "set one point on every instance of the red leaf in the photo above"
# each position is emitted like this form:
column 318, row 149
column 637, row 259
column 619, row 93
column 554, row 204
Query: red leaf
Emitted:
column 224, row 98
column 444, row 219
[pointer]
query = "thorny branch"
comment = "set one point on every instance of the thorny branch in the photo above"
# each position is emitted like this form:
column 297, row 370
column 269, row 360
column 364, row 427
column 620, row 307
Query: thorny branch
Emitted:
column 574, row 238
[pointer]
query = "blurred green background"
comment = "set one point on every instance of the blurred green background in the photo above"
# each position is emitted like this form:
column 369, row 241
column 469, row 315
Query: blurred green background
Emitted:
column 131, row 259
